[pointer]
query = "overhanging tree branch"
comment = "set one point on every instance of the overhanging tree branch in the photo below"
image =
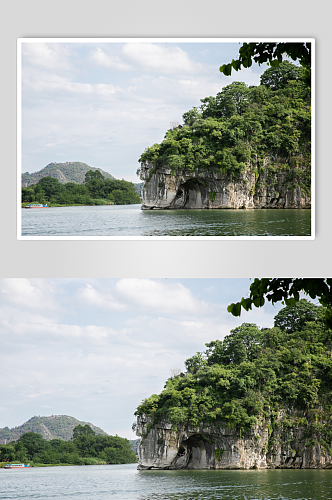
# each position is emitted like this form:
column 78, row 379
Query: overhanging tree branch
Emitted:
column 288, row 291
column 271, row 53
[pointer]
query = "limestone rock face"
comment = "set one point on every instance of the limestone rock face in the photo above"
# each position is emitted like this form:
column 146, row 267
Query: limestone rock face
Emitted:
column 207, row 189
column 203, row 447
column 294, row 451
column 212, row 447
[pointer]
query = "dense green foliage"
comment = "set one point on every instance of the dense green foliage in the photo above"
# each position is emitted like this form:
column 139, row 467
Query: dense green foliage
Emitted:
column 287, row 290
column 253, row 373
column 85, row 448
column 70, row 171
column 265, row 128
column 95, row 191
column 52, row 427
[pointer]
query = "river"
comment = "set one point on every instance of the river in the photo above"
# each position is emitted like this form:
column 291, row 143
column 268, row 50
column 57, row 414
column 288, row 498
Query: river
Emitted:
column 131, row 221
column 125, row 482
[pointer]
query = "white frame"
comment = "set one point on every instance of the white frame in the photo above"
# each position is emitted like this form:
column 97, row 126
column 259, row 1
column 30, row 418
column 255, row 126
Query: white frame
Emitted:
column 21, row 41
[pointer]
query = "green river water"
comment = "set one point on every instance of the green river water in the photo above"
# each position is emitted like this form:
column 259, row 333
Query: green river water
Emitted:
column 130, row 220
column 125, row 482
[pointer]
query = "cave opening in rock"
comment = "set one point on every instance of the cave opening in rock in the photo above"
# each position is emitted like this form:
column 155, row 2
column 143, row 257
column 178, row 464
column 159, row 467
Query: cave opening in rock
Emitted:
column 195, row 441
column 181, row 451
column 199, row 450
column 179, row 193
column 191, row 194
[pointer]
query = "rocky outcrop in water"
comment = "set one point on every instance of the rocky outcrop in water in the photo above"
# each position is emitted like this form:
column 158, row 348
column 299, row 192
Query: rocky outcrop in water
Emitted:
column 212, row 189
column 213, row 447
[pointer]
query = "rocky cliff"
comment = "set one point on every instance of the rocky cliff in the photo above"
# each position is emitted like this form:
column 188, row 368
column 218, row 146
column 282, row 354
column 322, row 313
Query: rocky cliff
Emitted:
column 213, row 447
column 212, row 189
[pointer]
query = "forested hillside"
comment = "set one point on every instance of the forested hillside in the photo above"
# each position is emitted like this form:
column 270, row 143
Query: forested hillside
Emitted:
column 85, row 448
column 280, row 375
column 53, row 427
column 266, row 128
column 95, row 191
column 70, row 171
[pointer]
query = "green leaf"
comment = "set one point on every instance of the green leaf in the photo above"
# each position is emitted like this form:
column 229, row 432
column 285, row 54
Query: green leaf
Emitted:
column 259, row 301
column 226, row 69
column 290, row 302
column 230, row 308
column 246, row 304
column 236, row 309
column 274, row 63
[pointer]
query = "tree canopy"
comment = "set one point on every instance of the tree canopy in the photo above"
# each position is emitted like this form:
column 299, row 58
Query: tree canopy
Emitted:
column 95, row 191
column 82, row 430
column 85, row 448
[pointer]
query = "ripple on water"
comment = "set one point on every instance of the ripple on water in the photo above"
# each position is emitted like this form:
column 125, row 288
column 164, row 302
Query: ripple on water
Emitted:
column 125, row 482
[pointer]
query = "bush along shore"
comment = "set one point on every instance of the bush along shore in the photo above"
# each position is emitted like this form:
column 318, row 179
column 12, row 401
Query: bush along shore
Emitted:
column 85, row 448
column 94, row 191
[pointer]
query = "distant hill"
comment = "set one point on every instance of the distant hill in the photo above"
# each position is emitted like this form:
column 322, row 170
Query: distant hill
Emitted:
column 53, row 427
column 70, row 171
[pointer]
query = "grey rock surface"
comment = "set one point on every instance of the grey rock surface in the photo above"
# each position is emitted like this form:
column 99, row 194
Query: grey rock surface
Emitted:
column 221, row 447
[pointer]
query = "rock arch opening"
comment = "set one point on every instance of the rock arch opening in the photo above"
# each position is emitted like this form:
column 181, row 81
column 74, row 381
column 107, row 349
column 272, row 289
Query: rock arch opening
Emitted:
column 199, row 451
column 192, row 193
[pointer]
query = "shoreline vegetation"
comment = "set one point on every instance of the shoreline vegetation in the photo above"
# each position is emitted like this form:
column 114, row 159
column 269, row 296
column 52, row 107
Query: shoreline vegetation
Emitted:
column 85, row 448
column 96, row 190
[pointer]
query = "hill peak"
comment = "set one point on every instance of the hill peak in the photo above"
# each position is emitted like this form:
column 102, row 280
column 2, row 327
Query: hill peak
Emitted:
column 69, row 171
column 51, row 427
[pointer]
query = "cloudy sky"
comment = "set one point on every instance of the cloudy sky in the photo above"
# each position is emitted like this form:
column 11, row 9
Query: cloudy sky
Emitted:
column 93, row 349
column 103, row 103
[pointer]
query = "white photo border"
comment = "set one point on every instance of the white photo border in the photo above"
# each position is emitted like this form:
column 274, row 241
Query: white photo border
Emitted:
column 21, row 41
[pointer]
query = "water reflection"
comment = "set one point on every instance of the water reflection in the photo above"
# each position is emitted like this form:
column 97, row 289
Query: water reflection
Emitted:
column 236, row 485
column 228, row 223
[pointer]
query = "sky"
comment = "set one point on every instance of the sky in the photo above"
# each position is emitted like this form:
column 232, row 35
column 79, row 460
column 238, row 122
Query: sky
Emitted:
column 95, row 348
column 103, row 103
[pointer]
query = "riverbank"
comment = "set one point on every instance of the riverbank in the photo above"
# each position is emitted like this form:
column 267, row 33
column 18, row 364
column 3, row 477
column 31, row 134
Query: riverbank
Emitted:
column 89, row 462
column 98, row 203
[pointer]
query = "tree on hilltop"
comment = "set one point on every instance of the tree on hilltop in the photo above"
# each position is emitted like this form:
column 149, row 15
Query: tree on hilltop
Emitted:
column 93, row 174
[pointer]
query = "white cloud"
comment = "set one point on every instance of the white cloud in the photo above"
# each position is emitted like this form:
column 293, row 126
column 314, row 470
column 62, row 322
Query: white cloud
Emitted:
column 28, row 293
column 93, row 297
column 44, row 331
column 161, row 58
column 47, row 56
column 62, row 88
column 164, row 298
column 192, row 324
column 99, row 57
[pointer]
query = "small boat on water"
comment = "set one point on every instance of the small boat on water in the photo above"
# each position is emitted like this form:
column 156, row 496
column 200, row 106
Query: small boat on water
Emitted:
column 16, row 466
column 36, row 205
